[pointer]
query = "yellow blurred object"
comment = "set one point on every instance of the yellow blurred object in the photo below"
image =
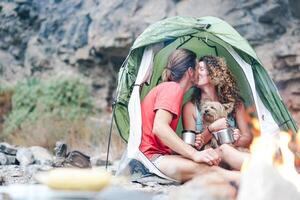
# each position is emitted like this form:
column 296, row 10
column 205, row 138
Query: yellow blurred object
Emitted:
column 75, row 179
column 256, row 127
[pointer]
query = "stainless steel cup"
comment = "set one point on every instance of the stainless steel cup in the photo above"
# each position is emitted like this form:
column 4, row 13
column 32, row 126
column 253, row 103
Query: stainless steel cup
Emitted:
column 189, row 137
column 224, row 136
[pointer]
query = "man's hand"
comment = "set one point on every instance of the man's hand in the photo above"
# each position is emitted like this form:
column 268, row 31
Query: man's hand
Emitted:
column 209, row 156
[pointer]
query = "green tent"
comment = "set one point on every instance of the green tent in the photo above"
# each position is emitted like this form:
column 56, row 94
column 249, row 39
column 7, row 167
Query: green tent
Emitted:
column 148, row 56
column 204, row 36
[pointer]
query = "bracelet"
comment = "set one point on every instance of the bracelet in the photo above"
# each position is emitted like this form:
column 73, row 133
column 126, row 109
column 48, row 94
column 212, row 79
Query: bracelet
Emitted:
column 209, row 130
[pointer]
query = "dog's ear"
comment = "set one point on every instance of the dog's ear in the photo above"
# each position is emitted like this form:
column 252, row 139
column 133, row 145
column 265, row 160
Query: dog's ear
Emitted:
column 216, row 81
column 228, row 107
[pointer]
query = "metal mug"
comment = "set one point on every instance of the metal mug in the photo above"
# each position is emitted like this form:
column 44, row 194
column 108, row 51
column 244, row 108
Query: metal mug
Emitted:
column 189, row 137
column 224, row 136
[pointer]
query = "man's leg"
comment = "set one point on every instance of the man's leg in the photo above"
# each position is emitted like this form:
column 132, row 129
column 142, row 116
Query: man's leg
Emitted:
column 183, row 169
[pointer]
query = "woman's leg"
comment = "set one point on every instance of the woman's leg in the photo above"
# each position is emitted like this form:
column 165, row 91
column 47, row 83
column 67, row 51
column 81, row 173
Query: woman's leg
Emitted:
column 232, row 156
column 183, row 169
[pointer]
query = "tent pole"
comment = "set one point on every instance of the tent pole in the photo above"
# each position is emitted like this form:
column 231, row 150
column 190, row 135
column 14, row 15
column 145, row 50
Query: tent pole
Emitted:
column 110, row 132
column 113, row 112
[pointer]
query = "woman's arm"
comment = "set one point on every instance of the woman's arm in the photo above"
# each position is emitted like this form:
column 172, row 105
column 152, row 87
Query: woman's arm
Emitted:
column 189, row 116
column 189, row 123
column 246, row 136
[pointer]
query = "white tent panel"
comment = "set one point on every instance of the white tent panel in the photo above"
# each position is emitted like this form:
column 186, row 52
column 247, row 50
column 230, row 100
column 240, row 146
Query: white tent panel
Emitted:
column 266, row 121
column 135, row 116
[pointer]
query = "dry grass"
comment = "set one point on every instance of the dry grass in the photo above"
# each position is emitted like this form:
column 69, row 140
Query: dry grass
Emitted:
column 89, row 136
column 5, row 105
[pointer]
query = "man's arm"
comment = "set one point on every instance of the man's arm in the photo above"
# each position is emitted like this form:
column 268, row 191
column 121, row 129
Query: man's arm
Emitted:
column 166, row 134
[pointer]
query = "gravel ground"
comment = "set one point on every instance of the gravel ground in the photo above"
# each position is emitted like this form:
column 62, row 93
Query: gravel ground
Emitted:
column 15, row 174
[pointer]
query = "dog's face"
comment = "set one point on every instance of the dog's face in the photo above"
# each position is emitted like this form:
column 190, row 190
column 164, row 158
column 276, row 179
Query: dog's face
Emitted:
column 213, row 110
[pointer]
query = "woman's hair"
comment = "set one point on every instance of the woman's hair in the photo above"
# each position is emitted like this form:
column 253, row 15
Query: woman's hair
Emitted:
column 178, row 63
column 223, row 80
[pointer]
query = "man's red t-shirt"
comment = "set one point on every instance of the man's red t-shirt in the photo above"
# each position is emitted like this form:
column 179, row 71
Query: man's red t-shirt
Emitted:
column 167, row 96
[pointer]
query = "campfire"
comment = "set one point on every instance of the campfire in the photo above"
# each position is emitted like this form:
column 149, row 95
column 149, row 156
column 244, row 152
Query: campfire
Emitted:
column 271, row 172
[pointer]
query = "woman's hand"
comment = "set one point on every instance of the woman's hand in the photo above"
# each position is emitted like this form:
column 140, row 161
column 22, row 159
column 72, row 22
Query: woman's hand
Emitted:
column 209, row 156
column 199, row 142
column 236, row 135
column 219, row 124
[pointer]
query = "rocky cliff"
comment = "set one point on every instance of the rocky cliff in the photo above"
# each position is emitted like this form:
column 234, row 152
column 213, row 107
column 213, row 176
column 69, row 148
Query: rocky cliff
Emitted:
column 92, row 37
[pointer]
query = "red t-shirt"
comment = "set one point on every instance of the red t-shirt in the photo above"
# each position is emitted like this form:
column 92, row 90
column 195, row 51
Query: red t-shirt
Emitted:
column 167, row 96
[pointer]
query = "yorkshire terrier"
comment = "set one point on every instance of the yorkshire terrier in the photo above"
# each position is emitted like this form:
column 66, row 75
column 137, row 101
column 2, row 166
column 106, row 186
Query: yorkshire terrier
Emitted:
column 211, row 111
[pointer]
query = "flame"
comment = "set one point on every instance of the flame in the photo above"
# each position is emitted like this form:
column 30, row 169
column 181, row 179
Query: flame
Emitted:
column 287, row 168
column 256, row 127
column 253, row 122
column 298, row 138
column 262, row 149
column 297, row 152
column 275, row 152
column 270, row 170
column 255, row 145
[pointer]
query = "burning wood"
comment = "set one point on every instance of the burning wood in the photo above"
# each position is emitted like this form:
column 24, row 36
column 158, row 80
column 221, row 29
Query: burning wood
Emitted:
column 270, row 173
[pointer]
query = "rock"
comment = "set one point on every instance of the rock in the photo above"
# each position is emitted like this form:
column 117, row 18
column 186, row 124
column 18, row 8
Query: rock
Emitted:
column 15, row 174
column 291, row 95
column 273, row 12
column 7, row 159
column 188, row 8
column 2, row 180
column 97, row 161
column 11, row 160
column 41, row 155
column 3, row 159
column 10, row 69
column 78, row 159
column 24, row 156
column 34, row 169
column 116, row 193
column 39, row 55
column 295, row 8
column 61, row 149
column 152, row 181
column 7, row 149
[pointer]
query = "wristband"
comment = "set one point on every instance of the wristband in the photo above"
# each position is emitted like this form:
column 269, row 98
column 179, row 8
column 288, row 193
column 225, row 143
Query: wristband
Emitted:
column 209, row 130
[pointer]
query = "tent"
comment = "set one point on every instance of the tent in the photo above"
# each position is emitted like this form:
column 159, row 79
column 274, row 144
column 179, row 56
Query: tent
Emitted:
column 142, row 69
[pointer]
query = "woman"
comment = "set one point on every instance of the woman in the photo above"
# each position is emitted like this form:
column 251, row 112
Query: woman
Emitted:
column 161, row 110
column 216, row 83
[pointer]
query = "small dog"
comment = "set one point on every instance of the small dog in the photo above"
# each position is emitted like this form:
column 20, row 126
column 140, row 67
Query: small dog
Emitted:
column 211, row 111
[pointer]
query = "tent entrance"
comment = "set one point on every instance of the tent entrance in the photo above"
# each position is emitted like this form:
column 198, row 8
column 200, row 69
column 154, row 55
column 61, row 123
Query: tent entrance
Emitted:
column 201, row 45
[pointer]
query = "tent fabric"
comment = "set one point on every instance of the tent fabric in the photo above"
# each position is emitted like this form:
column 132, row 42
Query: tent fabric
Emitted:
column 175, row 27
column 135, row 136
column 169, row 30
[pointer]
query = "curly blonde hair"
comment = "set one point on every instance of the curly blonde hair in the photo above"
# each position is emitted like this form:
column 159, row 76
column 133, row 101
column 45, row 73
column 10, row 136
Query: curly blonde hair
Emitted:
column 223, row 80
